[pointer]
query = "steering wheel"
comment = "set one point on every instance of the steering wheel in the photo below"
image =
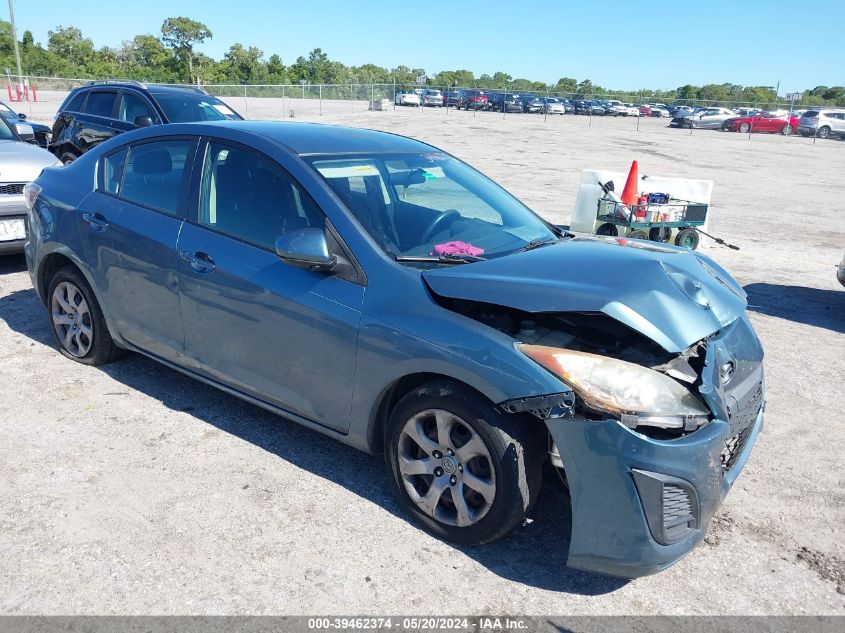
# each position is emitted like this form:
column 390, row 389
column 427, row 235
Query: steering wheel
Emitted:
column 439, row 223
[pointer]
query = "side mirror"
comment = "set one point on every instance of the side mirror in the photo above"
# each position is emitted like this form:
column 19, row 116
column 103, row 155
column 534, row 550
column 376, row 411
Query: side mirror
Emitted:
column 21, row 116
column 25, row 131
column 143, row 121
column 306, row 248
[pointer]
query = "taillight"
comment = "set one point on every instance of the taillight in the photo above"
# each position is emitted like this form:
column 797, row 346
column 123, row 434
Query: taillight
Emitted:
column 30, row 194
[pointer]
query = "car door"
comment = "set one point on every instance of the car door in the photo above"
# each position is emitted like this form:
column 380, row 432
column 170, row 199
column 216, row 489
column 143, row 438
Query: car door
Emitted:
column 96, row 123
column 132, row 106
column 762, row 123
column 131, row 223
column 284, row 335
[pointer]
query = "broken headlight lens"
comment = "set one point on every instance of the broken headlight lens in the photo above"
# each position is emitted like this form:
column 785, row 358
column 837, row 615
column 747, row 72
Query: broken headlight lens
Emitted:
column 621, row 388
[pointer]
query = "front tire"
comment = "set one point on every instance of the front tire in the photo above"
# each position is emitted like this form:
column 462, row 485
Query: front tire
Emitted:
column 77, row 320
column 67, row 158
column 465, row 471
column 744, row 128
column 823, row 132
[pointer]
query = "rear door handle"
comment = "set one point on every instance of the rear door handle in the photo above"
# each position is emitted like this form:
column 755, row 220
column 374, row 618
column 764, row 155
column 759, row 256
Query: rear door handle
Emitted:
column 96, row 220
column 200, row 262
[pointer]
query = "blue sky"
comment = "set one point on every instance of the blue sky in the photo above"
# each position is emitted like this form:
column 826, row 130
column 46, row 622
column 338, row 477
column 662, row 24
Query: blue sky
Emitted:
column 616, row 44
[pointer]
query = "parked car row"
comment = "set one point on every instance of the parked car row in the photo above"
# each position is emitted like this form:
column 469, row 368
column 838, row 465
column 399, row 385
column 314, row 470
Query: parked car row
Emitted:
column 821, row 122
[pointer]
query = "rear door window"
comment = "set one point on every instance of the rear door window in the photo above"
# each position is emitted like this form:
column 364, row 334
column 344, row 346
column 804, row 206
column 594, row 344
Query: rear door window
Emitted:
column 112, row 171
column 100, row 103
column 155, row 174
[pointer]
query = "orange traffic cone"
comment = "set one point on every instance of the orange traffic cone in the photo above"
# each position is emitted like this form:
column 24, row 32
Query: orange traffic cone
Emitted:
column 629, row 193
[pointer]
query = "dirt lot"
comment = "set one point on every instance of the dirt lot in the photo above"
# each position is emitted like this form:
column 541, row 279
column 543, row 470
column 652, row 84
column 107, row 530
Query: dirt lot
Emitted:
column 134, row 490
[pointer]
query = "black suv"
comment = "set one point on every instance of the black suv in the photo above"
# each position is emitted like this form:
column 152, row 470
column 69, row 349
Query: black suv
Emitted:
column 97, row 111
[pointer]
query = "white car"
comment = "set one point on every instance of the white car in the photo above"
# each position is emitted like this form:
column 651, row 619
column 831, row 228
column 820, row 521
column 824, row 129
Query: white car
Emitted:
column 822, row 123
column 407, row 98
column 20, row 162
column 629, row 109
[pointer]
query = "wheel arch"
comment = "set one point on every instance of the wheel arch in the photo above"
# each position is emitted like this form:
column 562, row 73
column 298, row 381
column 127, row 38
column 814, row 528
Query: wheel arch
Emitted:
column 393, row 393
column 55, row 261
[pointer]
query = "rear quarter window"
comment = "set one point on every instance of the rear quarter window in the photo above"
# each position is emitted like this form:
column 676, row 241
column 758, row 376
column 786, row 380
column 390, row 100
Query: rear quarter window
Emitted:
column 74, row 104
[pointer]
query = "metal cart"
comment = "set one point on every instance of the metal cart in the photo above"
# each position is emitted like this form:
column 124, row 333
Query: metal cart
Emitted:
column 656, row 221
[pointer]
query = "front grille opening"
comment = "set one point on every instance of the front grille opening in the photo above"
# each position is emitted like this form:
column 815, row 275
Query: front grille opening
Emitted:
column 733, row 448
column 742, row 417
column 13, row 189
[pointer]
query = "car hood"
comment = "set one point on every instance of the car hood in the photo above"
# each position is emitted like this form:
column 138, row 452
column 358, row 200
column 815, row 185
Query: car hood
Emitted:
column 673, row 296
column 22, row 162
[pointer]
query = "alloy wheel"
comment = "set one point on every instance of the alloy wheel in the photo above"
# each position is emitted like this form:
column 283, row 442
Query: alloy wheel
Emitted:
column 72, row 319
column 446, row 468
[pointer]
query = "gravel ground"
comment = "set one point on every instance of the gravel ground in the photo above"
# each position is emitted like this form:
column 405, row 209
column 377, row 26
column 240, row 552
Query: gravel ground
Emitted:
column 131, row 489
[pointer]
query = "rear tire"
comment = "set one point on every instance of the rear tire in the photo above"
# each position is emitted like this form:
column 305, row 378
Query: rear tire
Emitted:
column 659, row 234
column 68, row 157
column 786, row 130
column 823, row 132
column 77, row 320
column 607, row 229
column 465, row 471
column 638, row 234
column 744, row 128
column 687, row 238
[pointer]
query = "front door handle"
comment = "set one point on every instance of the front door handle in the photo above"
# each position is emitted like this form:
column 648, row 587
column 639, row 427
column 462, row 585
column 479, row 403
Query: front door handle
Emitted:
column 200, row 262
column 96, row 220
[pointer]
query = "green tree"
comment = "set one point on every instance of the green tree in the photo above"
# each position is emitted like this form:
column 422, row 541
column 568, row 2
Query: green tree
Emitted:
column 585, row 87
column 244, row 65
column 68, row 43
column 566, row 84
column 183, row 34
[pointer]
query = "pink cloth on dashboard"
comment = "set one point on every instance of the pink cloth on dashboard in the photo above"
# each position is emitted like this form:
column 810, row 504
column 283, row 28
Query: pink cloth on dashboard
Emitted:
column 456, row 248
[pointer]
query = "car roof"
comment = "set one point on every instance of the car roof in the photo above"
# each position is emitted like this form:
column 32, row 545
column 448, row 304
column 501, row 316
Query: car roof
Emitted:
column 151, row 88
column 314, row 138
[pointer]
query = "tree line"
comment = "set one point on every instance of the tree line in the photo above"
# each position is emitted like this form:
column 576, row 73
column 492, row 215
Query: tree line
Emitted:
column 170, row 57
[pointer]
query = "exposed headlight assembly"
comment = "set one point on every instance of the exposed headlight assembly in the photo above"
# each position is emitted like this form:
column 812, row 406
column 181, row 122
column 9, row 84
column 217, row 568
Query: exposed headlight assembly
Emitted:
column 635, row 394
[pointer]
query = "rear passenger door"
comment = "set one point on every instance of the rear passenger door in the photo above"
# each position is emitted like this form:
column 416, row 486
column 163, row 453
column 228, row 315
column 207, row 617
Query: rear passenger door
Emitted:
column 131, row 224
column 96, row 122
column 284, row 335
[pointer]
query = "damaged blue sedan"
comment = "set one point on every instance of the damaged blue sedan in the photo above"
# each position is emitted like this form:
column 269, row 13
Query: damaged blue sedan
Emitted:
column 379, row 290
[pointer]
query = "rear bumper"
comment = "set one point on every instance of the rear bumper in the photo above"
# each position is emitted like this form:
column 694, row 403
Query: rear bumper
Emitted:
column 616, row 479
column 12, row 248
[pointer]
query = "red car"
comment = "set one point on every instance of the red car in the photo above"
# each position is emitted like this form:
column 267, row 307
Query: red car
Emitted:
column 765, row 122
column 645, row 110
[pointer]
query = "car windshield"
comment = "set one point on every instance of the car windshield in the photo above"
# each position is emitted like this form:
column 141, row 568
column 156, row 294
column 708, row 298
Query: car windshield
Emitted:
column 188, row 107
column 430, row 204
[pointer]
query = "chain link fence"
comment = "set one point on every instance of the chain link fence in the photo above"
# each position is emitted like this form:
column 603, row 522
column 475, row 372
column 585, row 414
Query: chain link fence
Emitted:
column 40, row 98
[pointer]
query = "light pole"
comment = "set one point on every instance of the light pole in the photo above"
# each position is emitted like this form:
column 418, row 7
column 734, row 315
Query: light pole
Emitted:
column 15, row 40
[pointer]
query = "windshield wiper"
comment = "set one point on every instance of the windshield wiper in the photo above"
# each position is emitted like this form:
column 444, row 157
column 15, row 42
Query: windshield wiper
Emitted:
column 538, row 243
column 440, row 259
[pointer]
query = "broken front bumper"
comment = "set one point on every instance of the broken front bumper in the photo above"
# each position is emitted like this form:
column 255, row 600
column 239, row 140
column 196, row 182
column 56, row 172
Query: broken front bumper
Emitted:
column 639, row 504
